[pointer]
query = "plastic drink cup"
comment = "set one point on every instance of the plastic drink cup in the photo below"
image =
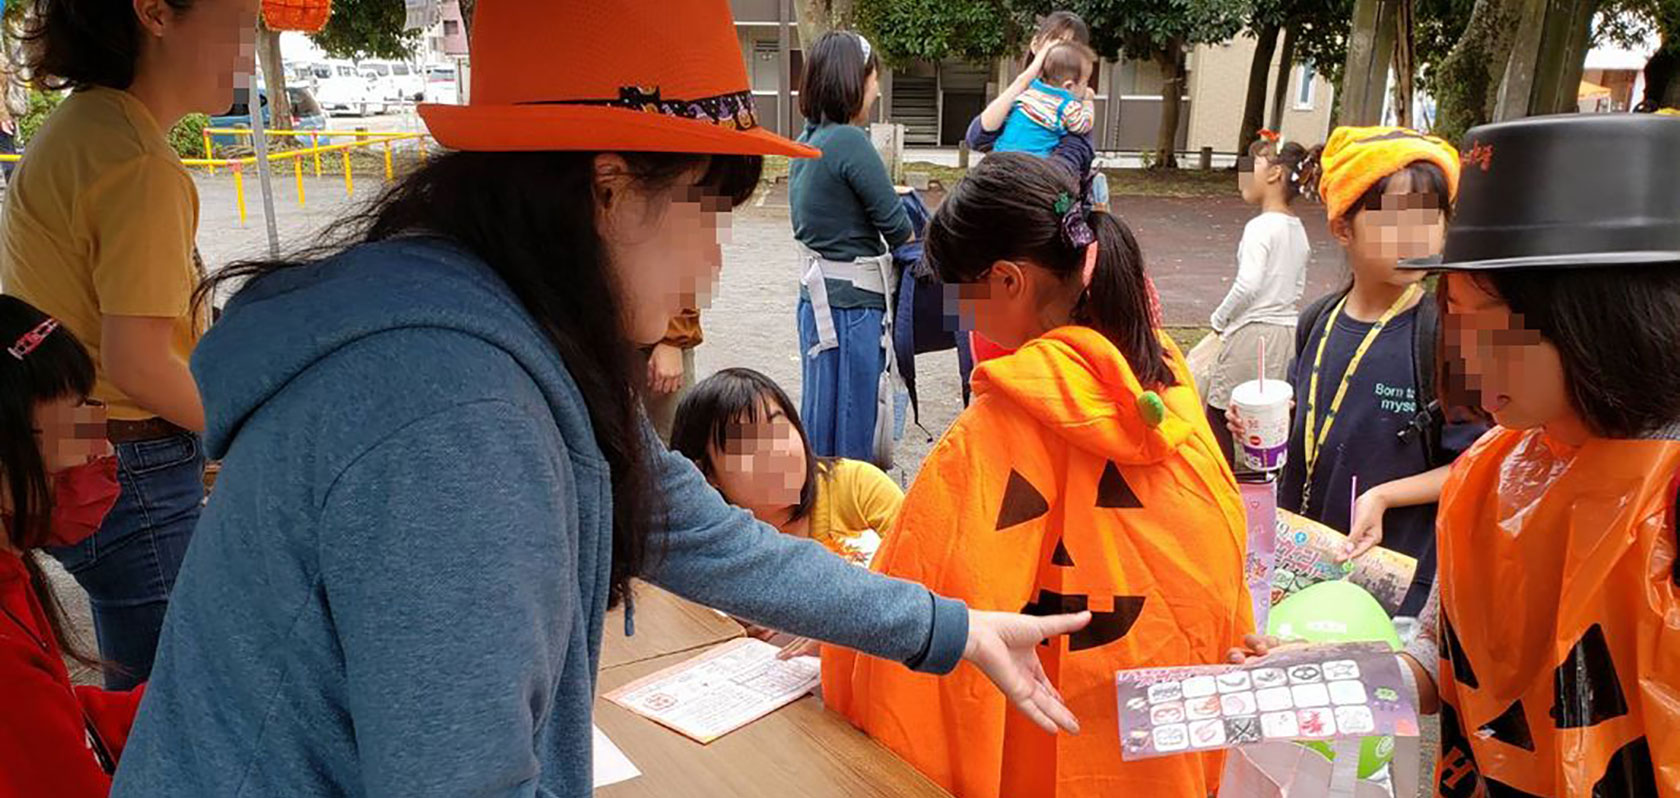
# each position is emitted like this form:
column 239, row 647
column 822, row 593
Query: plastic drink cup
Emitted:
column 1263, row 411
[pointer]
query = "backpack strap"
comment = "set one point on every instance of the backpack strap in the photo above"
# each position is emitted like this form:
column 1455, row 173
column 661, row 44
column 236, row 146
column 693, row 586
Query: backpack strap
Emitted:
column 1431, row 417
column 1312, row 318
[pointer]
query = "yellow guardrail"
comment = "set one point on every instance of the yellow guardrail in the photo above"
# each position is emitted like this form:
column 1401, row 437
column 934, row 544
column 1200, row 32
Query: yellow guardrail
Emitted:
column 364, row 139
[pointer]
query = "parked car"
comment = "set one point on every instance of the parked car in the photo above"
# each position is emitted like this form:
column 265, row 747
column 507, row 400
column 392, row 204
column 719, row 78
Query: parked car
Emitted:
column 342, row 88
column 398, row 80
column 306, row 115
column 443, row 85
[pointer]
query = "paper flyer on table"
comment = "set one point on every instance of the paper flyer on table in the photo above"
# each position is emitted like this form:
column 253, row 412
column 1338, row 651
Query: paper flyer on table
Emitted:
column 721, row 690
column 1306, row 555
column 1314, row 692
column 611, row 765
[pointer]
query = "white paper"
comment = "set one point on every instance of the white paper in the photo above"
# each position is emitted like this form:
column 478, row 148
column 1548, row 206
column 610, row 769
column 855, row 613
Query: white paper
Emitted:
column 721, row 690
column 611, row 765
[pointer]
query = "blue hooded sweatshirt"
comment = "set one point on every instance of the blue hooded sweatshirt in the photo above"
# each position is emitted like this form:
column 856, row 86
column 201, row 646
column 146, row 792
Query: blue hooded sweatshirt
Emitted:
column 398, row 587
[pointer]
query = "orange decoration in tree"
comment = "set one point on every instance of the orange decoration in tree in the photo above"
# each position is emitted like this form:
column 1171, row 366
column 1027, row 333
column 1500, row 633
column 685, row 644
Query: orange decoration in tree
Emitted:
column 308, row 16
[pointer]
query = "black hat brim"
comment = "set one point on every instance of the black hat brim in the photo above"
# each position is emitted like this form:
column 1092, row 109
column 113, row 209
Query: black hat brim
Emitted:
column 1587, row 261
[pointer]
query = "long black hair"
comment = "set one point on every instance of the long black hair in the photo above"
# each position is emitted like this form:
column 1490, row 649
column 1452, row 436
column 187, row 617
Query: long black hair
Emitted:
column 532, row 217
column 1616, row 330
column 81, row 43
column 715, row 409
column 1006, row 209
column 58, row 368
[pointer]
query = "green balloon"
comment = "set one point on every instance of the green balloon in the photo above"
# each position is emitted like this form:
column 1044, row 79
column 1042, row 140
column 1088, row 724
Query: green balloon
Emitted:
column 1338, row 612
column 1333, row 612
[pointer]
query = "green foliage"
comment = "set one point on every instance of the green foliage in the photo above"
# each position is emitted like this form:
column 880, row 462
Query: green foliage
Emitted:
column 366, row 29
column 1629, row 23
column 974, row 30
column 1321, row 38
column 187, row 137
column 41, row 103
column 1143, row 29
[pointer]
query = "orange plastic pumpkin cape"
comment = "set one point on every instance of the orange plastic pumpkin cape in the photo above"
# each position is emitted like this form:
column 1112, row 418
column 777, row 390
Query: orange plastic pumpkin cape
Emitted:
column 1560, row 620
column 1054, row 493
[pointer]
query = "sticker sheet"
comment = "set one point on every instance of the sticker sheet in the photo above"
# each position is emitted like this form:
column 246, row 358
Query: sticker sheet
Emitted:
column 1305, row 554
column 1316, row 692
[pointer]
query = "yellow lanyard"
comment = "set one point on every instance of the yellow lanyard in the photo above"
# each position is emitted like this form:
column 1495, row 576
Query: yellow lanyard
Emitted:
column 1317, row 435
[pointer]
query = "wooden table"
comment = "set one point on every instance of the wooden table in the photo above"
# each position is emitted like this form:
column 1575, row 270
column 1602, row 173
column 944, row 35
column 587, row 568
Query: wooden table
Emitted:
column 802, row 749
column 665, row 625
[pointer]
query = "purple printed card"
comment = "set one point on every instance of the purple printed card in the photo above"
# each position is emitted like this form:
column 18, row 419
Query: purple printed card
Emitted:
column 1312, row 692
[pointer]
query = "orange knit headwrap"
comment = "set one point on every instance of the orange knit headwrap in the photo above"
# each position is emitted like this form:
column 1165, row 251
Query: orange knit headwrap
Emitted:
column 1355, row 158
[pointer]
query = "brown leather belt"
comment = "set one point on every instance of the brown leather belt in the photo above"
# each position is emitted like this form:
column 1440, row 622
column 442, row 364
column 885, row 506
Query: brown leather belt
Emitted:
column 149, row 429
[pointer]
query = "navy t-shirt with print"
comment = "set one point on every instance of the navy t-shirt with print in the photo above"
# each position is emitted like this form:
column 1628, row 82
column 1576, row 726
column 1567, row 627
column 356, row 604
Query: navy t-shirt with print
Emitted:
column 1365, row 438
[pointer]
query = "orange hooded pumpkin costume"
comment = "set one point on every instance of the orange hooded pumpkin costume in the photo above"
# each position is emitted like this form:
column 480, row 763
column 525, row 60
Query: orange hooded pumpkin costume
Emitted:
column 1560, row 620
column 1054, row 493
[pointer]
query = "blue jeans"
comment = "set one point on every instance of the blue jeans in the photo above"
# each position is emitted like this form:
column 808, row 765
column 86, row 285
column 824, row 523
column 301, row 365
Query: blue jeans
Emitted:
column 128, row 567
column 838, row 387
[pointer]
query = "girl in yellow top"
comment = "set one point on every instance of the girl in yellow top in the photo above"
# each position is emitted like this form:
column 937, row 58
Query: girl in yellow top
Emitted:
column 741, row 429
column 98, row 232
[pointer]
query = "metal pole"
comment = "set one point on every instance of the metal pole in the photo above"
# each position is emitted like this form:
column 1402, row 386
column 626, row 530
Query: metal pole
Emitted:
column 784, row 81
column 264, row 177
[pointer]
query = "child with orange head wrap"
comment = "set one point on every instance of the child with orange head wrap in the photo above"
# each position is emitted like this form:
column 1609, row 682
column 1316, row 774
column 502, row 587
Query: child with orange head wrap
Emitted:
column 1364, row 355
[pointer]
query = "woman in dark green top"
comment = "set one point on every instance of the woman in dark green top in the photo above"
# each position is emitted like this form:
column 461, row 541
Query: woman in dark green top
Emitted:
column 846, row 214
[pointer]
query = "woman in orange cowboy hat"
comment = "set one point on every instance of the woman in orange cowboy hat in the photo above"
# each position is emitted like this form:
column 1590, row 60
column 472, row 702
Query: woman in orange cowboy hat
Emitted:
column 436, row 476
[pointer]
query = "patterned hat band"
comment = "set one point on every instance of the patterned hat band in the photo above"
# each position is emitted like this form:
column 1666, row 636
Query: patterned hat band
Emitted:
column 734, row 111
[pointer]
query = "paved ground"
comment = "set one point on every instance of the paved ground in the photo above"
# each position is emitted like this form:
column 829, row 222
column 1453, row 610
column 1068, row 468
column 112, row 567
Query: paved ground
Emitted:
column 1189, row 245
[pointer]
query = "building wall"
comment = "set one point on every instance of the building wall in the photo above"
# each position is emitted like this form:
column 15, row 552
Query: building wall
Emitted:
column 1219, row 87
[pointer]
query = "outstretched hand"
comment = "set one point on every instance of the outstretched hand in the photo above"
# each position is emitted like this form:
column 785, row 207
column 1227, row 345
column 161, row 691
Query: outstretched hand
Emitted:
column 1366, row 527
column 1004, row 647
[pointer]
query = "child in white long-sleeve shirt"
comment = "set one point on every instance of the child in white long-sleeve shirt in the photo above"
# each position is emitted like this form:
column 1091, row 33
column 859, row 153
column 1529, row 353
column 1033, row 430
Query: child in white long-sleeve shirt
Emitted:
column 1272, row 260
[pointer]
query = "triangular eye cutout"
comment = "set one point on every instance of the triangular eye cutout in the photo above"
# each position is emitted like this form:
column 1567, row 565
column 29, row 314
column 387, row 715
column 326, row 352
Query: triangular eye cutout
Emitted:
column 1021, row 502
column 1060, row 556
column 1511, row 728
column 1586, row 687
column 1454, row 653
column 1113, row 492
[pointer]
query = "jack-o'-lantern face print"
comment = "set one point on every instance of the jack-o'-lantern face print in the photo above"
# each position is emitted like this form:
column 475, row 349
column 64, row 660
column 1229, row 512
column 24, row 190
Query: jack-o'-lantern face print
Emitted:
column 1023, row 503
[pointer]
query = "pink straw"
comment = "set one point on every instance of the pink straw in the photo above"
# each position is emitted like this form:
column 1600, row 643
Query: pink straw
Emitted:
column 1353, row 499
column 1262, row 367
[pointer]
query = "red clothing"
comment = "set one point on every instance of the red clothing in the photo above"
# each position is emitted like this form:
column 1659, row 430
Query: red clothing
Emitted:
column 50, row 727
column 985, row 350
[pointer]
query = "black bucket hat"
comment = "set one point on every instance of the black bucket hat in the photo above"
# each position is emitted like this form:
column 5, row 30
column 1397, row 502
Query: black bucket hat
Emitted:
column 1568, row 191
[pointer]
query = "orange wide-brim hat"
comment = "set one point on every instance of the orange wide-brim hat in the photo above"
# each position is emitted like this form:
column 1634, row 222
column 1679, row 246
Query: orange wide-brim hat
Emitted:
column 593, row 75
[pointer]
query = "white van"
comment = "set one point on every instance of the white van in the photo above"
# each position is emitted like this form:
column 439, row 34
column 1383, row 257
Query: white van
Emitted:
column 399, row 80
column 443, row 85
column 341, row 88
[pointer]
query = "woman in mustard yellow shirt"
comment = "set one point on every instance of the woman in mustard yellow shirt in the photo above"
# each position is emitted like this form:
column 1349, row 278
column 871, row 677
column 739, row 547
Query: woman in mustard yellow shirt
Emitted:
column 741, row 429
column 98, row 232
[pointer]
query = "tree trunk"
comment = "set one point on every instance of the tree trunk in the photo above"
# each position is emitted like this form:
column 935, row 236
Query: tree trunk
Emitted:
column 1254, row 106
column 817, row 17
column 1660, row 76
column 274, row 79
column 1280, row 92
column 1370, row 53
column 1405, row 65
column 1466, row 84
column 1171, row 59
column 466, row 18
